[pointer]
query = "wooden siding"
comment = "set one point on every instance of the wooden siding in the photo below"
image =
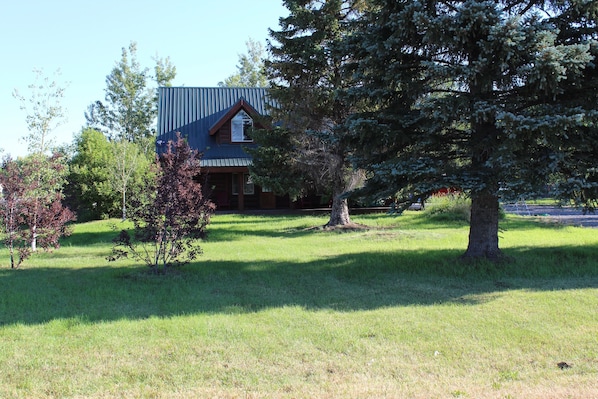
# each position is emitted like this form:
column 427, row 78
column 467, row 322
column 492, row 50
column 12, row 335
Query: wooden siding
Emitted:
column 224, row 134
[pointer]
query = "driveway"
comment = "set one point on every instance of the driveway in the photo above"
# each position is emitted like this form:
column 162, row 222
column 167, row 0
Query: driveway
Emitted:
column 566, row 215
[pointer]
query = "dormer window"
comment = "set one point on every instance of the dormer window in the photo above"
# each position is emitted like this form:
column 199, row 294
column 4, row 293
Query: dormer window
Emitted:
column 241, row 126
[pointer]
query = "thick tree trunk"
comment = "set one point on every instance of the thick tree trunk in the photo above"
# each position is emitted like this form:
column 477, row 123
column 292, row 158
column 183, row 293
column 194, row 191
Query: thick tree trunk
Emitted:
column 483, row 227
column 339, row 213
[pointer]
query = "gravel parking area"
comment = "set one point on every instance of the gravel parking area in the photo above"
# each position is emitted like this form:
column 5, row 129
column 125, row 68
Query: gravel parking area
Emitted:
column 566, row 215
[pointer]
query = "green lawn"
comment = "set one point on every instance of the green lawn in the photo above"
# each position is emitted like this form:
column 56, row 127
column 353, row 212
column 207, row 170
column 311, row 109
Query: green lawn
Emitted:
column 275, row 309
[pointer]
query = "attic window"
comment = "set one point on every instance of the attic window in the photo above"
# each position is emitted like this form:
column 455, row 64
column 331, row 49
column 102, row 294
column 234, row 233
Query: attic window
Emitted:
column 241, row 126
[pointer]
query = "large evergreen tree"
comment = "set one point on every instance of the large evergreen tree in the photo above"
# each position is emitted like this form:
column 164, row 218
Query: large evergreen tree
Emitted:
column 479, row 95
column 306, row 71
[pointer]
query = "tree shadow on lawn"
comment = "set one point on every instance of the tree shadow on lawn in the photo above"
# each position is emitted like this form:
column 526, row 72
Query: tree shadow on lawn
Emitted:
column 226, row 230
column 88, row 238
column 345, row 283
column 234, row 231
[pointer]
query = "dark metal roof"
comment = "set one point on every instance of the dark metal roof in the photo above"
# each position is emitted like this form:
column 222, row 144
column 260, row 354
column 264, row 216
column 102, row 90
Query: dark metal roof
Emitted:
column 225, row 162
column 193, row 110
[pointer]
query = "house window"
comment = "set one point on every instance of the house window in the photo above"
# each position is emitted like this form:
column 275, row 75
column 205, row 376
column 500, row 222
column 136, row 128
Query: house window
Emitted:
column 248, row 188
column 241, row 126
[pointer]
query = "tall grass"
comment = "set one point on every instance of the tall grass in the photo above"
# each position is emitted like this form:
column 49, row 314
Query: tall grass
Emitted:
column 276, row 309
column 448, row 207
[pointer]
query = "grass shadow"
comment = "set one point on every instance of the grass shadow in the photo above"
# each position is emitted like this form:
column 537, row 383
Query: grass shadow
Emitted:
column 344, row 283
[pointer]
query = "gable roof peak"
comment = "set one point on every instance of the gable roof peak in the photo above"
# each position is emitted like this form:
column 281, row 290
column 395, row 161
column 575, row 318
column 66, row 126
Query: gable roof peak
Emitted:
column 232, row 111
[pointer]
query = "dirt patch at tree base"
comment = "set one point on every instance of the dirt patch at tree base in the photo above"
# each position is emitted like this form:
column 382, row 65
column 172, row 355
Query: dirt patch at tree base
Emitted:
column 341, row 228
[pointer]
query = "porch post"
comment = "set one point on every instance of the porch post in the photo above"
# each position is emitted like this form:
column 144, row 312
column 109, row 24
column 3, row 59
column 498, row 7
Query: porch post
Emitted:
column 241, row 182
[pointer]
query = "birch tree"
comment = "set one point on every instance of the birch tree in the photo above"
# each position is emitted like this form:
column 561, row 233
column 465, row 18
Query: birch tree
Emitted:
column 127, row 116
column 31, row 207
column 44, row 113
column 43, row 109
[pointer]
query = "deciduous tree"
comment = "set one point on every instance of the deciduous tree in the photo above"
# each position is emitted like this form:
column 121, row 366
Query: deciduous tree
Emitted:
column 90, row 191
column 128, row 172
column 31, row 206
column 172, row 216
column 44, row 111
column 129, row 109
column 250, row 70
column 44, row 178
column 12, row 212
column 128, row 116
column 479, row 95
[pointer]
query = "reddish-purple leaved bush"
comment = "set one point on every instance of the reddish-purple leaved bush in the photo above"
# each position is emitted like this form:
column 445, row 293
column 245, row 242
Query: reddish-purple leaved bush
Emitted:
column 31, row 206
column 173, row 215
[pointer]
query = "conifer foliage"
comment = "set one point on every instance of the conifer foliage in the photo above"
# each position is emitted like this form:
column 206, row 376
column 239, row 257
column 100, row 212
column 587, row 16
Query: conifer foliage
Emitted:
column 492, row 97
column 173, row 215
column 307, row 76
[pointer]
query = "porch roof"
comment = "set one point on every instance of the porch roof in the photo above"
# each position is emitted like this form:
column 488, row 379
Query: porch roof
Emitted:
column 225, row 162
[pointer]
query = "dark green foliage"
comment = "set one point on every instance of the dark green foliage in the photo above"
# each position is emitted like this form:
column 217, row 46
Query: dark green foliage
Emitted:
column 130, row 108
column 102, row 172
column 273, row 165
column 307, row 74
column 127, row 111
column 479, row 95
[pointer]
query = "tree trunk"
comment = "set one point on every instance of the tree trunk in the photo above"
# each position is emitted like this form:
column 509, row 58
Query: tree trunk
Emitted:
column 12, row 255
column 483, row 227
column 124, row 203
column 34, row 226
column 34, row 238
column 339, row 213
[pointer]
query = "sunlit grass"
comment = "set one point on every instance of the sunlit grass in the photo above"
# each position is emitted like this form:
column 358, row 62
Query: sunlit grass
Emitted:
column 276, row 309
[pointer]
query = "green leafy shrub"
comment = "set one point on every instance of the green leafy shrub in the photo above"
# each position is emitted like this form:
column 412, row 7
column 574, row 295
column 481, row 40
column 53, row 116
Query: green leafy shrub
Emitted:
column 448, row 207
column 451, row 207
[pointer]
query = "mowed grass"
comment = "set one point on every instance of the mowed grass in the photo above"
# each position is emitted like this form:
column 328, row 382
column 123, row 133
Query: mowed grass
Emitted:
column 275, row 309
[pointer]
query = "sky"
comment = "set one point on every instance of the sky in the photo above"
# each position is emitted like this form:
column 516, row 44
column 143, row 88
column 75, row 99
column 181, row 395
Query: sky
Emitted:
column 84, row 41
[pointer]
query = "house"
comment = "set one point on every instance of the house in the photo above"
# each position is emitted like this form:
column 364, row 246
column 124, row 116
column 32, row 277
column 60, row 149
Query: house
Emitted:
column 217, row 121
